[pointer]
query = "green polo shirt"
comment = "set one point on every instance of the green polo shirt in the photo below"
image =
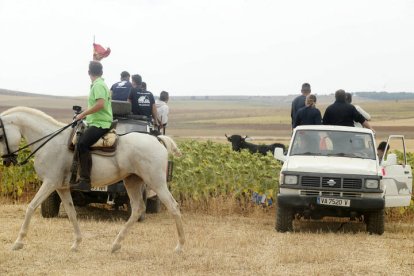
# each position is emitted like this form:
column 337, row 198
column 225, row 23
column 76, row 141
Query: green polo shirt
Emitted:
column 102, row 118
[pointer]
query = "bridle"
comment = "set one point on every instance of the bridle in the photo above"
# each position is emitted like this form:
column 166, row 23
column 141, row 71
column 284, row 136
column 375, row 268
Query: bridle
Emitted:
column 11, row 157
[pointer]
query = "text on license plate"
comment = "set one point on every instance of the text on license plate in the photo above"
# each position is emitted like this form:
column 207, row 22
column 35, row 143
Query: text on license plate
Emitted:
column 99, row 189
column 334, row 201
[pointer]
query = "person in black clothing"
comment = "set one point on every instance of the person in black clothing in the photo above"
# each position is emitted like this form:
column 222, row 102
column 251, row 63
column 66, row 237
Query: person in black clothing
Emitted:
column 142, row 101
column 299, row 101
column 309, row 114
column 120, row 90
column 342, row 113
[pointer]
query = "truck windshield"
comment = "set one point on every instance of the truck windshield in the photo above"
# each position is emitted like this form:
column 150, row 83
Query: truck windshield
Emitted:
column 333, row 143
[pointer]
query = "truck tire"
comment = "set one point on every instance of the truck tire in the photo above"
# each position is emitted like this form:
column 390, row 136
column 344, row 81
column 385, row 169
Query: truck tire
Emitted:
column 284, row 220
column 375, row 222
column 50, row 207
column 153, row 205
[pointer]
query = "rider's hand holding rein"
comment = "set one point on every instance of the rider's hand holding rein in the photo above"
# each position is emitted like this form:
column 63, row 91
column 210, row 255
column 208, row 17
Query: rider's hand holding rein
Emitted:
column 95, row 108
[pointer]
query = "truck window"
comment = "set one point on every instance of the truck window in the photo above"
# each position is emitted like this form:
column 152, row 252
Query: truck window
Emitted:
column 333, row 143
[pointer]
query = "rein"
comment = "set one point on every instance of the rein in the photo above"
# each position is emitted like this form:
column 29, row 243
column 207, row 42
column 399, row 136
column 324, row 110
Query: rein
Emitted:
column 13, row 155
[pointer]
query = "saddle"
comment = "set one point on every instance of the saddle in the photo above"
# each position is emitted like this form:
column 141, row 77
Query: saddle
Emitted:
column 106, row 144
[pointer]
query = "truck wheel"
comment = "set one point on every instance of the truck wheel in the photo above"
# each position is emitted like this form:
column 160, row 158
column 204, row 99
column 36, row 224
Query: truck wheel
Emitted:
column 50, row 207
column 284, row 220
column 153, row 205
column 375, row 222
column 129, row 210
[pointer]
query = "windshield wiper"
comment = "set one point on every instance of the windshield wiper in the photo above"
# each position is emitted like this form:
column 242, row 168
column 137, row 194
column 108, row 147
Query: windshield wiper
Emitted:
column 308, row 153
column 342, row 154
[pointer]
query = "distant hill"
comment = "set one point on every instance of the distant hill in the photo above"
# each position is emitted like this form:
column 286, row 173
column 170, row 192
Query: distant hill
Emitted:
column 263, row 100
column 7, row 92
column 386, row 96
column 59, row 107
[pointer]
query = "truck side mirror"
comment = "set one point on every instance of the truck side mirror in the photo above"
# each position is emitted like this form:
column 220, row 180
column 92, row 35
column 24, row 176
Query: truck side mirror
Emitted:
column 279, row 154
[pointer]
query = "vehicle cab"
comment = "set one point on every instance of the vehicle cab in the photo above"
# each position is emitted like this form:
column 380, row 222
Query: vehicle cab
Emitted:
column 335, row 171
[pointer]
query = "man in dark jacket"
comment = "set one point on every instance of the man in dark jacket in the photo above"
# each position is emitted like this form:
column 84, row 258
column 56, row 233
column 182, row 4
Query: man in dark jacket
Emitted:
column 142, row 101
column 120, row 90
column 309, row 114
column 342, row 113
column 299, row 101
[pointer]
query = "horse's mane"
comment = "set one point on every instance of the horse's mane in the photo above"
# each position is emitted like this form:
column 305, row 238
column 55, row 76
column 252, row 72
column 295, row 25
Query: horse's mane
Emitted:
column 32, row 111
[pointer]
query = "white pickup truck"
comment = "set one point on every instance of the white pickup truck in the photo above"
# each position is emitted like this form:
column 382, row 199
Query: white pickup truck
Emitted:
column 335, row 171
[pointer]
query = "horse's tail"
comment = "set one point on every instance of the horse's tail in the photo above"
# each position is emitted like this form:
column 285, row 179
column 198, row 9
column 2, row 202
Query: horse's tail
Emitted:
column 170, row 145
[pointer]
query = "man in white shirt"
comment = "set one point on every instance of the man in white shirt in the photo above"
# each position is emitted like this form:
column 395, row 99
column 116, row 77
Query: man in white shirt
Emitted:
column 163, row 109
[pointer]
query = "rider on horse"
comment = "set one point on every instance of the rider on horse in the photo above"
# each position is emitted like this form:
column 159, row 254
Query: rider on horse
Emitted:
column 98, row 118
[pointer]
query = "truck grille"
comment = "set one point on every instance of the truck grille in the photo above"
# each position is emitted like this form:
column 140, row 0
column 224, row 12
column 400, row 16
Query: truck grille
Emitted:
column 330, row 194
column 328, row 182
column 311, row 181
column 350, row 183
column 331, row 182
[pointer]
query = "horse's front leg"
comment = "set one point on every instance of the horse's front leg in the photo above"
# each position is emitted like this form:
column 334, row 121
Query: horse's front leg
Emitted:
column 45, row 190
column 134, row 187
column 67, row 202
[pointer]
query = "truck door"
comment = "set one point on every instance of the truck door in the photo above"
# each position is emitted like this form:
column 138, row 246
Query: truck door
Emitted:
column 397, row 175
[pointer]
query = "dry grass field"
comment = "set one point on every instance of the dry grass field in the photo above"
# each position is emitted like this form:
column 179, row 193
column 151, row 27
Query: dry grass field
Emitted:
column 216, row 245
column 219, row 242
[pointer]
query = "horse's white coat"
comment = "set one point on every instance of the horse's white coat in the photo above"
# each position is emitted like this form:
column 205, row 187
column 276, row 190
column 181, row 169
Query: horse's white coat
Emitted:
column 170, row 145
column 139, row 158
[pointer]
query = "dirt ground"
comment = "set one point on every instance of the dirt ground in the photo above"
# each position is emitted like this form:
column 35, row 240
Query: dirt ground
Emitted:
column 216, row 245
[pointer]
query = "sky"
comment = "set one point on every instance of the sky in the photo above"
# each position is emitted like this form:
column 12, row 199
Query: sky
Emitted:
column 209, row 47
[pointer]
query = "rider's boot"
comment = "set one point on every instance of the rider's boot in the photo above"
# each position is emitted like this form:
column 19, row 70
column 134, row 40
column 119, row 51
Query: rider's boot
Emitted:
column 84, row 183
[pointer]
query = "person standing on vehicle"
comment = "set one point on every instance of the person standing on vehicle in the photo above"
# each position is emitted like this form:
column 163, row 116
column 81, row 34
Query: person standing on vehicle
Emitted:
column 358, row 108
column 120, row 90
column 299, row 101
column 309, row 114
column 98, row 118
column 142, row 101
column 341, row 113
column 163, row 109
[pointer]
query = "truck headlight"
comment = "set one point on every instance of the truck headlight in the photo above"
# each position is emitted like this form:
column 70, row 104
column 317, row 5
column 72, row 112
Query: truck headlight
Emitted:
column 371, row 183
column 291, row 180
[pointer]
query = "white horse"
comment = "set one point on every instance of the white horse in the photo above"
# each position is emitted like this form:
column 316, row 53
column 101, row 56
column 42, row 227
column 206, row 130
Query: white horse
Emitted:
column 139, row 159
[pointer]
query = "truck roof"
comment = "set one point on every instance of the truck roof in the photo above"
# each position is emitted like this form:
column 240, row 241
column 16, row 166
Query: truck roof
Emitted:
column 332, row 127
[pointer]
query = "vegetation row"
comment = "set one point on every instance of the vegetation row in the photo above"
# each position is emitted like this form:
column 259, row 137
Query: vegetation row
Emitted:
column 207, row 171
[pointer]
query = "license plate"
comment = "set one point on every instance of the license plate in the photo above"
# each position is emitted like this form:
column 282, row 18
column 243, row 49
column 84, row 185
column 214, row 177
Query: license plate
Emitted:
column 334, row 201
column 100, row 189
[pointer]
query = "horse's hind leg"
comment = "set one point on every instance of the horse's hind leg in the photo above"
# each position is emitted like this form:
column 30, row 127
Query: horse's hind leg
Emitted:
column 45, row 190
column 134, row 186
column 67, row 202
column 168, row 200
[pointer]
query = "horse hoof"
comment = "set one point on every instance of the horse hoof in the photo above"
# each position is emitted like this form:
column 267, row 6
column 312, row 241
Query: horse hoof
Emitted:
column 115, row 247
column 17, row 246
column 74, row 248
column 178, row 249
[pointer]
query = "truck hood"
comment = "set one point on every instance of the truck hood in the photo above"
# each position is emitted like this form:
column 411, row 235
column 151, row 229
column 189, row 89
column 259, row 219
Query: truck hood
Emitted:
column 331, row 164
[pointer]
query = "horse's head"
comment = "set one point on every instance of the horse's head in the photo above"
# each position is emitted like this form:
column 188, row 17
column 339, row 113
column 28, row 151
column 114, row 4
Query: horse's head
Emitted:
column 10, row 138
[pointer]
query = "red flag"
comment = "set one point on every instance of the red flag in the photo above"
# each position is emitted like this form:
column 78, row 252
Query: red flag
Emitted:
column 100, row 52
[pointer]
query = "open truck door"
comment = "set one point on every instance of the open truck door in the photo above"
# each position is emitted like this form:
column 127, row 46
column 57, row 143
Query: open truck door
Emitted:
column 397, row 175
